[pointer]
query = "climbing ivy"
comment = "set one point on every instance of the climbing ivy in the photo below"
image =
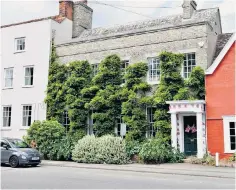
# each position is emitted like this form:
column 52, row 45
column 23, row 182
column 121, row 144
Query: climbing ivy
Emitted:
column 79, row 77
column 194, row 87
column 55, row 98
column 170, row 83
column 135, row 101
column 106, row 103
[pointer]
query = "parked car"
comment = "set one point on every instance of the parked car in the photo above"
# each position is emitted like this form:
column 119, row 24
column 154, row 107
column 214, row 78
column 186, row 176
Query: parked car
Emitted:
column 16, row 152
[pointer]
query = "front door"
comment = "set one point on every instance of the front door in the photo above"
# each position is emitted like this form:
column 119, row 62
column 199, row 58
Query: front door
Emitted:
column 190, row 135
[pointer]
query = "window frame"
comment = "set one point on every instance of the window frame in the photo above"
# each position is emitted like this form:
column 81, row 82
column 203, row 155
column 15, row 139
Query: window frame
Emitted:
column 95, row 65
column 31, row 116
column 151, row 129
column 154, row 79
column 12, row 78
column 25, row 67
column 9, row 115
column 123, row 127
column 125, row 62
column 16, row 44
column 226, row 127
column 187, row 66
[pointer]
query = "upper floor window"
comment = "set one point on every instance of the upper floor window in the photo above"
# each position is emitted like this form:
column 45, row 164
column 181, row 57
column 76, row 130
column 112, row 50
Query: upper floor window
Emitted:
column 6, row 116
column 8, row 77
column 151, row 132
column 19, row 44
column 27, row 115
column 95, row 69
column 189, row 64
column 29, row 76
column 154, row 71
column 124, row 65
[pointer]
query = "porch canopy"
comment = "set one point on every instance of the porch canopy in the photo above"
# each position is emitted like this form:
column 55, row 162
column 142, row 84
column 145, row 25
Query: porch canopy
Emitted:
column 184, row 136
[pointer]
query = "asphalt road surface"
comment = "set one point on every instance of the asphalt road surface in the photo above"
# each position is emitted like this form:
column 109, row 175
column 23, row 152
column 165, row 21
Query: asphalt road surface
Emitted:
column 52, row 177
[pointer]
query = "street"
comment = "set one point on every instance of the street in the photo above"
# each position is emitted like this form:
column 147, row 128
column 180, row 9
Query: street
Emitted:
column 54, row 177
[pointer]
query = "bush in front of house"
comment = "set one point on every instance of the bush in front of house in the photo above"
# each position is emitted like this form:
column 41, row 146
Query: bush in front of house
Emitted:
column 133, row 148
column 98, row 150
column 51, row 139
column 157, row 151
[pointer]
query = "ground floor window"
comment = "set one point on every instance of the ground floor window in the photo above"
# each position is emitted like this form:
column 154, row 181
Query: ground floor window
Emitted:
column 151, row 131
column 229, row 124
column 121, row 129
column 6, row 116
column 27, row 115
column 66, row 120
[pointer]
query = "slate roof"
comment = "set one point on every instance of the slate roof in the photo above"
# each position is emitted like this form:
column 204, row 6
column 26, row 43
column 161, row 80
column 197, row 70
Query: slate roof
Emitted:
column 202, row 15
column 222, row 39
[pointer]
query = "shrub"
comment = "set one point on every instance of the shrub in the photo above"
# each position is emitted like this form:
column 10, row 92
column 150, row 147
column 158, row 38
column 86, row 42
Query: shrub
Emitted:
column 232, row 158
column 157, row 150
column 106, row 149
column 195, row 160
column 132, row 148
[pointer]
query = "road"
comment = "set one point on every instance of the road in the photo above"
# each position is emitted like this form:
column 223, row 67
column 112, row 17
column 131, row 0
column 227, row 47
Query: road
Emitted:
column 53, row 177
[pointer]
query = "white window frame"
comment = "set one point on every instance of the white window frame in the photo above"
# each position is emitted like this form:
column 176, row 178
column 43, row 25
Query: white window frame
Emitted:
column 27, row 116
column 95, row 72
column 16, row 44
column 151, row 129
column 124, row 63
column 9, row 116
column 26, row 67
column 154, row 79
column 226, row 126
column 186, row 60
column 122, row 125
column 9, row 78
column 66, row 120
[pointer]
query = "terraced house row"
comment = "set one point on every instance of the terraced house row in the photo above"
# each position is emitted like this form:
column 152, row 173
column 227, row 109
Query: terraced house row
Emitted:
column 195, row 33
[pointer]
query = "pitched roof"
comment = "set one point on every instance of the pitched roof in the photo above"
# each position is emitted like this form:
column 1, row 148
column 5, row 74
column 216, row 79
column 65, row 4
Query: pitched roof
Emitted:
column 224, row 47
column 57, row 18
column 222, row 39
column 203, row 15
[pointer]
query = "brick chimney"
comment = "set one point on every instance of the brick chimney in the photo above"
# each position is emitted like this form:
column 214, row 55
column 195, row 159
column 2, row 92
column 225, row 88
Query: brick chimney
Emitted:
column 66, row 9
column 189, row 6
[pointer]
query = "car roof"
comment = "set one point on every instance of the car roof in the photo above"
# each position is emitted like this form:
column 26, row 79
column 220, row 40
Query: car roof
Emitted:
column 8, row 138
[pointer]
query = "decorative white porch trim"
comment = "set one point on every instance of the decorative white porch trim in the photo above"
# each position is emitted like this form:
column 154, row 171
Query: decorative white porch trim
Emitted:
column 178, row 109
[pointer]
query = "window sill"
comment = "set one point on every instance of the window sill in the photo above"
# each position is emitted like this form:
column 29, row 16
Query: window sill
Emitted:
column 28, row 86
column 7, row 88
column 24, row 128
column 230, row 151
column 6, row 128
column 153, row 82
column 19, row 51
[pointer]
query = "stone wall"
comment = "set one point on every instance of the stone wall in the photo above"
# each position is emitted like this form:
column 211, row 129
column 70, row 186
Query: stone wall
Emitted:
column 139, row 47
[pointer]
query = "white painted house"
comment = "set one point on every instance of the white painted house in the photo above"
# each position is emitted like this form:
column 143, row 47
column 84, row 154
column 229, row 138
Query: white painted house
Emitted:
column 25, row 55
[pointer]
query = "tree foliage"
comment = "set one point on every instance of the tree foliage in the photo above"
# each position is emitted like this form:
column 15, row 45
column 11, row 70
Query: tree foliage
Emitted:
column 170, row 83
column 135, row 101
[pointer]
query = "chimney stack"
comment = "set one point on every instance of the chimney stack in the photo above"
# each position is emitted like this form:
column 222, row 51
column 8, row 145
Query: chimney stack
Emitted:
column 66, row 9
column 82, row 17
column 189, row 6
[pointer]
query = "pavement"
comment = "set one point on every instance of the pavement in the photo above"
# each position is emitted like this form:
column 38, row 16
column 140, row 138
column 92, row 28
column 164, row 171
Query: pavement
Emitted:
column 47, row 176
column 173, row 169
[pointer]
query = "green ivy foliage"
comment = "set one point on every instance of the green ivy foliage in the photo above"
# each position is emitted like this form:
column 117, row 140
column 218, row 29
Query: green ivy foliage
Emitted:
column 55, row 98
column 135, row 101
column 79, row 77
column 194, row 87
column 170, row 83
column 106, row 101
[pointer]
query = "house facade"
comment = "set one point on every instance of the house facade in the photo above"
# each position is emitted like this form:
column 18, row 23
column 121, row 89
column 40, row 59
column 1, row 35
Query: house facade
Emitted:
column 193, row 33
column 25, row 57
column 220, row 98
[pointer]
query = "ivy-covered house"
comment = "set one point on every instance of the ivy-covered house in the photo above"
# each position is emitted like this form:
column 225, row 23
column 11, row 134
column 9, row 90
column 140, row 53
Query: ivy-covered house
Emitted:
column 192, row 33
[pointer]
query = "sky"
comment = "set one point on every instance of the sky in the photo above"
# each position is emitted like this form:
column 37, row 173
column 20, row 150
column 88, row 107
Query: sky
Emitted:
column 13, row 11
